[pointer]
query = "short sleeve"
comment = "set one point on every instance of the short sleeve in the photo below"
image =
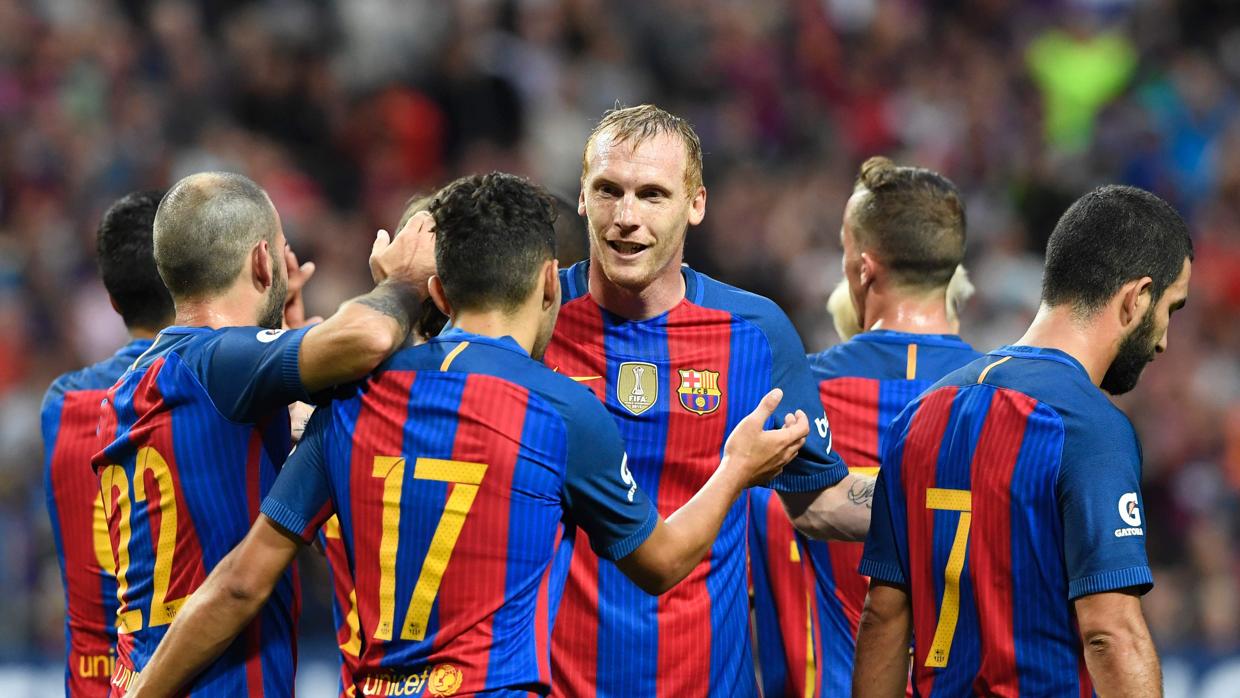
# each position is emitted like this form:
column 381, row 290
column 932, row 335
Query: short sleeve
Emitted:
column 816, row 467
column 1100, row 503
column 251, row 371
column 600, row 493
column 300, row 500
column 881, row 556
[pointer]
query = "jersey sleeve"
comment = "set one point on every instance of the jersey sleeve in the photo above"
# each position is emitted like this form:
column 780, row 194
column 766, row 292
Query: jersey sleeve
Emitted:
column 1099, row 497
column 250, row 372
column 599, row 492
column 300, row 500
column 816, row 467
column 881, row 556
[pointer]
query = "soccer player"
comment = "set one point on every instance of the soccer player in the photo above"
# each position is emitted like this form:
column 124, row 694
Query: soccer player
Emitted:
column 454, row 470
column 677, row 358
column 70, row 415
column 903, row 237
column 193, row 433
column 1007, row 536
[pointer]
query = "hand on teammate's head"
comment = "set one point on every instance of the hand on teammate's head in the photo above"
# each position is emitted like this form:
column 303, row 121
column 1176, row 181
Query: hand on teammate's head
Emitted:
column 763, row 453
column 409, row 257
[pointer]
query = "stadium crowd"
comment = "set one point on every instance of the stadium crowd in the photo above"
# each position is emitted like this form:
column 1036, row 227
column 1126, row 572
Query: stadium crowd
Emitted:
column 343, row 110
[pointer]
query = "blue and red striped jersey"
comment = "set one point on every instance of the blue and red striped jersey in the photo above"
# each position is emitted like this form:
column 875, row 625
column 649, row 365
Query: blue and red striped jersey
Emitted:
column 191, row 438
column 863, row 385
column 344, row 605
column 677, row 384
column 70, row 417
column 1022, row 443
column 459, row 472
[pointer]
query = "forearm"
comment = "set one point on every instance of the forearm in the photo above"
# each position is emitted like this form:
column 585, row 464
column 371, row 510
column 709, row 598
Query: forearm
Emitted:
column 880, row 669
column 205, row 626
column 841, row 512
column 364, row 332
column 1124, row 664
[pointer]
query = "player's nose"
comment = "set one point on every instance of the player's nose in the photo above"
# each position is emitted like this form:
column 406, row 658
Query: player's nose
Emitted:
column 626, row 215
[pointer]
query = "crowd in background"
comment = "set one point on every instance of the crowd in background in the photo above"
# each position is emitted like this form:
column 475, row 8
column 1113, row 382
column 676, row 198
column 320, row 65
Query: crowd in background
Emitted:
column 343, row 110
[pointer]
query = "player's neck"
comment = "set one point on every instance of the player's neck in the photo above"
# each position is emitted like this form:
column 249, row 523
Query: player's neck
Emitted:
column 218, row 311
column 656, row 298
column 911, row 313
column 137, row 332
column 521, row 326
column 1058, row 328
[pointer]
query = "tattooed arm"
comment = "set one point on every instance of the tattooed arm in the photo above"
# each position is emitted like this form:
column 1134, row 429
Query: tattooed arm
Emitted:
column 367, row 329
column 841, row 512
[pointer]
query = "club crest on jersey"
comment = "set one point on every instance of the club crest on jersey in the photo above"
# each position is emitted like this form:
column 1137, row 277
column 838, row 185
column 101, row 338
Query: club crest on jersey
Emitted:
column 699, row 391
column 637, row 386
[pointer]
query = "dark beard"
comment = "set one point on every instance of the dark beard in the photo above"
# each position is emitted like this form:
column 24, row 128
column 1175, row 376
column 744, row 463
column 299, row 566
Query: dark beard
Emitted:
column 272, row 315
column 1135, row 352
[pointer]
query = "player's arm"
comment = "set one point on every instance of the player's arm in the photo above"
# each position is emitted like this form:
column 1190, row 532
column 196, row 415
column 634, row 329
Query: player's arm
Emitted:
column 367, row 329
column 751, row 456
column 839, row 512
column 881, row 666
column 1119, row 651
column 219, row 610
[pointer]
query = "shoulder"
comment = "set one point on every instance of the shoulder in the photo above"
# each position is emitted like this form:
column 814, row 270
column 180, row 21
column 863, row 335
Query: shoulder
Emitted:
column 575, row 404
column 760, row 312
column 574, row 281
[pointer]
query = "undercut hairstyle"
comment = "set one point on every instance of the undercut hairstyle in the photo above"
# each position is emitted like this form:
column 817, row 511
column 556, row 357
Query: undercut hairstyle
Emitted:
column 641, row 123
column 912, row 219
column 492, row 234
column 1110, row 236
column 123, row 247
column 206, row 225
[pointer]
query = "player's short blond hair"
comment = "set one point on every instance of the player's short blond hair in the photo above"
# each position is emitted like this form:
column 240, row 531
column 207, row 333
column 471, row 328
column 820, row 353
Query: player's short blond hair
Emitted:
column 641, row 123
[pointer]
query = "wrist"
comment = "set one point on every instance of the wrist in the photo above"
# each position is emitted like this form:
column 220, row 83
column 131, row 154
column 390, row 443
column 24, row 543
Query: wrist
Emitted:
column 732, row 475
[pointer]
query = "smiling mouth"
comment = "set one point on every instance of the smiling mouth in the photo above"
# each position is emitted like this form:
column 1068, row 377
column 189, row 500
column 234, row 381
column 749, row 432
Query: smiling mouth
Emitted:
column 626, row 248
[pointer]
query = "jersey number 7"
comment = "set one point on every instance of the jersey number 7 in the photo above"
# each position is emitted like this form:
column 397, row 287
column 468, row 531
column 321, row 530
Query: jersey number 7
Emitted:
column 939, row 499
column 466, row 477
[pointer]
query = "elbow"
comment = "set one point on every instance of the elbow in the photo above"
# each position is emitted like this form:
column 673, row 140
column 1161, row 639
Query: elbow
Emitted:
column 1107, row 642
column 242, row 592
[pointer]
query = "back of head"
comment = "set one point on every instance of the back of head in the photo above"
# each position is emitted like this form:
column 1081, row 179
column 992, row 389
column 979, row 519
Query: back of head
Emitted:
column 206, row 225
column 431, row 320
column 1110, row 236
column 913, row 220
column 636, row 124
column 492, row 235
column 126, row 264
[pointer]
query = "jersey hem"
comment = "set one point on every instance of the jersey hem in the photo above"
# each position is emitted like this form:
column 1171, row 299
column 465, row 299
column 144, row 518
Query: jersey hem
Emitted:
column 882, row 571
column 1139, row 577
column 798, row 482
column 622, row 548
column 286, row 518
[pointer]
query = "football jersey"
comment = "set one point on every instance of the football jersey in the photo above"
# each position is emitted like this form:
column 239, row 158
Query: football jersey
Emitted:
column 1009, row 489
column 863, row 385
column 677, row 384
column 344, row 605
column 192, row 436
column 459, row 472
column 70, row 416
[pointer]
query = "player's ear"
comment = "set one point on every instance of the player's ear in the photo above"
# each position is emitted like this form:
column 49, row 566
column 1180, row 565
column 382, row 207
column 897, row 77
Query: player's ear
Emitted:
column 581, row 199
column 868, row 271
column 435, row 286
column 260, row 266
column 1135, row 299
column 551, row 283
column 697, row 206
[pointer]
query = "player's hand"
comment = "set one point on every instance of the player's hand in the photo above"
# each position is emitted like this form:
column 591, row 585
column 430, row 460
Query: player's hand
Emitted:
column 761, row 454
column 294, row 303
column 299, row 414
column 409, row 257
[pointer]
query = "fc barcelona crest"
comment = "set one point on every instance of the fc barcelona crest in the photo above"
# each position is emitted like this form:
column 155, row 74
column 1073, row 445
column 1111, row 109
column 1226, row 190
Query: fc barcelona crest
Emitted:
column 699, row 391
column 637, row 386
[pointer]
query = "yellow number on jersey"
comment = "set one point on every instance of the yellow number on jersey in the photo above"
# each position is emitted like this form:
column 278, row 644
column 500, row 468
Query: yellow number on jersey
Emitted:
column 466, row 477
column 949, row 611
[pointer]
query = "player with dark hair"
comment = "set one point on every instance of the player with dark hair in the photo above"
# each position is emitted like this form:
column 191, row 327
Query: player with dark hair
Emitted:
column 1007, row 536
column 192, row 435
column 678, row 359
column 903, row 237
column 70, row 415
column 458, row 472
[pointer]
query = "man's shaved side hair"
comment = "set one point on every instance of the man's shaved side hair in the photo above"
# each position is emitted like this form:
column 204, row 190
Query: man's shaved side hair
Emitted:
column 636, row 125
column 204, row 228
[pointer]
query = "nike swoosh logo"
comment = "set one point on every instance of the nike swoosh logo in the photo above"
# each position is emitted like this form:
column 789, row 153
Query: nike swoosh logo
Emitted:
column 582, row 379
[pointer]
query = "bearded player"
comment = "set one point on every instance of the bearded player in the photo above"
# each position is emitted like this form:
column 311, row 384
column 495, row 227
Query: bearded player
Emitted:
column 70, row 415
column 678, row 359
column 903, row 237
column 458, row 472
column 192, row 435
column 1007, row 539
